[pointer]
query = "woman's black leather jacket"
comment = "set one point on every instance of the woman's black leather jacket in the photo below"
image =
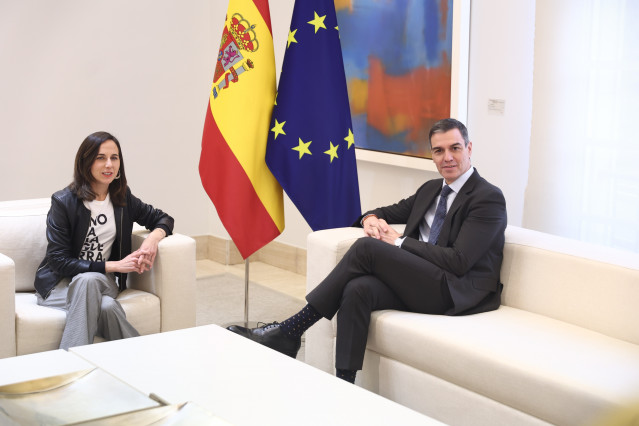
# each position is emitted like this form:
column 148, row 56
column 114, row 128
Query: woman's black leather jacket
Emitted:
column 67, row 226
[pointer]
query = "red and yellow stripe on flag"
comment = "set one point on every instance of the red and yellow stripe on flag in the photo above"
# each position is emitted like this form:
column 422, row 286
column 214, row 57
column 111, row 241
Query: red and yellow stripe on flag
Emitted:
column 232, row 167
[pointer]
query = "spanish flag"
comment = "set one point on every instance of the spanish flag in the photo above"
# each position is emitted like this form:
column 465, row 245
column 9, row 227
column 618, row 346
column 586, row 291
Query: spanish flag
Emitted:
column 232, row 167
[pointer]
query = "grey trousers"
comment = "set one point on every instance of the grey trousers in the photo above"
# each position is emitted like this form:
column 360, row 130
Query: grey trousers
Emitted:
column 89, row 300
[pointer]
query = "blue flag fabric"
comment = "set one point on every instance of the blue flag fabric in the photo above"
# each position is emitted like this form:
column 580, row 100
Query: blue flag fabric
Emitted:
column 311, row 147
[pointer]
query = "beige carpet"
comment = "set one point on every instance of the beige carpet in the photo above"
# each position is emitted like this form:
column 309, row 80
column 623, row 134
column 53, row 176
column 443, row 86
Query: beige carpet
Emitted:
column 220, row 300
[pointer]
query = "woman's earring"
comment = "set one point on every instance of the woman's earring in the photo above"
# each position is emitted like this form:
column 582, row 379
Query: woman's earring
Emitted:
column 118, row 175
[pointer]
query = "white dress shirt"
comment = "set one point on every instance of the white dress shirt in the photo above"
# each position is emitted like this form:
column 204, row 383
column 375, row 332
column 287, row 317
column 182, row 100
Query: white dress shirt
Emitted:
column 424, row 226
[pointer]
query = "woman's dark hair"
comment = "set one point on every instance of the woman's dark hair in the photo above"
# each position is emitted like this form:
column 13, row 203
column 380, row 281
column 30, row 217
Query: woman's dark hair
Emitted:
column 82, row 177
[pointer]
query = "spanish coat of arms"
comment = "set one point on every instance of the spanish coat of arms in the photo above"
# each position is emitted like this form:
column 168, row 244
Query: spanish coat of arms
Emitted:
column 238, row 37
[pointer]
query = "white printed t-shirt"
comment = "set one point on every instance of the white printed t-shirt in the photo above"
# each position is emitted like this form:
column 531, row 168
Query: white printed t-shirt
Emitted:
column 99, row 240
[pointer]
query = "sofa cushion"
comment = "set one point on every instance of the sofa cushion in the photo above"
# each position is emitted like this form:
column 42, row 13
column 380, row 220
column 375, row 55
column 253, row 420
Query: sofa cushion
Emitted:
column 40, row 328
column 24, row 221
column 589, row 286
column 549, row 369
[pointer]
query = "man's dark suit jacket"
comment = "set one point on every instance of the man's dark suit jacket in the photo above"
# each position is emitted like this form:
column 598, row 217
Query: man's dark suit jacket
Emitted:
column 470, row 246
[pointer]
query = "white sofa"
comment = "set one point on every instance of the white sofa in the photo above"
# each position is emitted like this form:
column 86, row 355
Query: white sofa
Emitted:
column 162, row 299
column 562, row 349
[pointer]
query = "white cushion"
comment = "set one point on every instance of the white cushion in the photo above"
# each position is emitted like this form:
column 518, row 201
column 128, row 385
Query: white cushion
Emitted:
column 552, row 370
column 552, row 276
column 40, row 328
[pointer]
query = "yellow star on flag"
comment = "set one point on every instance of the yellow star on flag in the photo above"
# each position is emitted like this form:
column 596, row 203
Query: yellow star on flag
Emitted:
column 333, row 151
column 302, row 148
column 291, row 38
column 350, row 138
column 318, row 22
column 278, row 129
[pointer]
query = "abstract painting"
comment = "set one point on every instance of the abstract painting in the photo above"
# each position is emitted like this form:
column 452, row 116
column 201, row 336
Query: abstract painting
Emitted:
column 397, row 60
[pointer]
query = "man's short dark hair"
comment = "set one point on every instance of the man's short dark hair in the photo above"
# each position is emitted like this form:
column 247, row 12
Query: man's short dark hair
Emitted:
column 442, row 126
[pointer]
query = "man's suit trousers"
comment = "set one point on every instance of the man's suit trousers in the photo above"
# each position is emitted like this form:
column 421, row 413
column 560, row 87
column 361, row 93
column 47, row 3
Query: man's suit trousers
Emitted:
column 374, row 275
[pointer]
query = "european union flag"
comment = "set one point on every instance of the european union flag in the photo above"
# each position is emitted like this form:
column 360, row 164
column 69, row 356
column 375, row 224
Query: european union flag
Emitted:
column 311, row 147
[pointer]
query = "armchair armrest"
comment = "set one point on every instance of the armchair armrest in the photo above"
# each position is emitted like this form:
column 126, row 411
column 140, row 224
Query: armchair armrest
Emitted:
column 172, row 279
column 7, row 307
column 324, row 249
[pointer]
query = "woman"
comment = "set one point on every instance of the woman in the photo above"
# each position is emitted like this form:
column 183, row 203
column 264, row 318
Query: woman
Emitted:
column 89, row 244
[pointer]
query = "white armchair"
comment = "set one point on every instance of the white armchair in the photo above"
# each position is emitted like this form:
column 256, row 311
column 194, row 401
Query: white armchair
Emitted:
column 162, row 299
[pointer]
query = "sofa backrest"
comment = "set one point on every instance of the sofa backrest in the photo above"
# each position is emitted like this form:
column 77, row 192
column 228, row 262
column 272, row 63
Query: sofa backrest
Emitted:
column 576, row 282
column 23, row 237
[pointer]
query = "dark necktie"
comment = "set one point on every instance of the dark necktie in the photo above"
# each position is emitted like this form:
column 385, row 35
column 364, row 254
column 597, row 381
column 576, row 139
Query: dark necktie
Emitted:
column 440, row 215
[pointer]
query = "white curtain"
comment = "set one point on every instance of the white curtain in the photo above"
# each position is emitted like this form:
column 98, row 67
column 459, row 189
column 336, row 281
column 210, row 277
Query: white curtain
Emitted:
column 584, row 156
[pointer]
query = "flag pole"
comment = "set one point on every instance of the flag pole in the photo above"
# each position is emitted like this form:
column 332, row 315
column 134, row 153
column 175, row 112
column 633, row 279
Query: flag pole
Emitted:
column 246, row 292
column 232, row 160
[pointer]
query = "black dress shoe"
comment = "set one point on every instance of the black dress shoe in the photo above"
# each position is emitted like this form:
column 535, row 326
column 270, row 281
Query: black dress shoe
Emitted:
column 270, row 335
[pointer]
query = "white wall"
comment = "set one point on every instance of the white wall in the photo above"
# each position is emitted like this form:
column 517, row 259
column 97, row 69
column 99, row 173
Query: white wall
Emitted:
column 501, row 68
column 143, row 70
column 582, row 179
column 559, row 88
column 139, row 69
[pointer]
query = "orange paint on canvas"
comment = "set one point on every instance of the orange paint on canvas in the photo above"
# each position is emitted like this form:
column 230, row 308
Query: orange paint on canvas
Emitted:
column 344, row 4
column 408, row 103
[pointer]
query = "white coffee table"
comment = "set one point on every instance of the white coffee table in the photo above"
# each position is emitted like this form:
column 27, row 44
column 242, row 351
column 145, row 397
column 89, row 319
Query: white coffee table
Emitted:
column 58, row 387
column 42, row 364
column 242, row 382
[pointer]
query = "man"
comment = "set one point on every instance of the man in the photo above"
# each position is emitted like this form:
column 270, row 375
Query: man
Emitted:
column 447, row 262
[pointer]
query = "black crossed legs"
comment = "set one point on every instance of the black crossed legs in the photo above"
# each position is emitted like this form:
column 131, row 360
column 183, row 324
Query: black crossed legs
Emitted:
column 374, row 275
